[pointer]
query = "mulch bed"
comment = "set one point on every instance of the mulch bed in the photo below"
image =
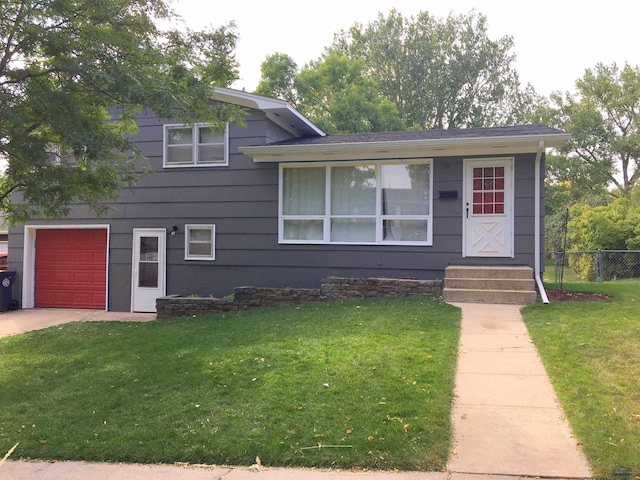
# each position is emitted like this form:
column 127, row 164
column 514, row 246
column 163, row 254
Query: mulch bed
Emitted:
column 558, row 295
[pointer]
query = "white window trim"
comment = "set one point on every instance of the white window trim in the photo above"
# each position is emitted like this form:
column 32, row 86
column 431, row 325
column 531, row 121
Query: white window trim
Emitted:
column 60, row 156
column 194, row 147
column 379, row 217
column 188, row 256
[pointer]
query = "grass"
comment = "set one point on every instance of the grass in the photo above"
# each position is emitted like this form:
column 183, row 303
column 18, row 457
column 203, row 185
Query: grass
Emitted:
column 359, row 384
column 591, row 352
column 568, row 275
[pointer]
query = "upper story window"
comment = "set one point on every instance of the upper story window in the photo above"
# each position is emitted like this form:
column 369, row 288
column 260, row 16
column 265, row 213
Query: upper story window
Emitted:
column 197, row 145
column 369, row 203
column 60, row 156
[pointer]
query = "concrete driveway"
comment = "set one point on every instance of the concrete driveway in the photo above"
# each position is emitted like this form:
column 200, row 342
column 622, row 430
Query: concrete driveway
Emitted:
column 21, row 321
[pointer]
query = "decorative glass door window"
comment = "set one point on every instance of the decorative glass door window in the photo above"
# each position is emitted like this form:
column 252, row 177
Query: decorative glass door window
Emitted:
column 488, row 191
column 148, row 263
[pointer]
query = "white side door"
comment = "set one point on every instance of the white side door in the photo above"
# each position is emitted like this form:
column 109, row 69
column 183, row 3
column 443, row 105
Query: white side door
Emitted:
column 488, row 214
column 149, row 267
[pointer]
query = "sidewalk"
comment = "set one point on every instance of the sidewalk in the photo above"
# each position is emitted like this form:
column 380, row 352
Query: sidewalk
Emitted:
column 20, row 470
column 506, row 416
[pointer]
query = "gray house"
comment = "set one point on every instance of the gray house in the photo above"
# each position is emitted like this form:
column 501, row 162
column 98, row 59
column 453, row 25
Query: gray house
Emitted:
column 278, row 203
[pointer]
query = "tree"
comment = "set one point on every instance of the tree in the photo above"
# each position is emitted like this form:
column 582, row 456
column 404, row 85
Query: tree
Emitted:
column 603, row 120
column 605, row 227
column 441, row 73
column 568, row 181
column 277, row 74
column 334, row 94
column 73, row 74
column 615, row 226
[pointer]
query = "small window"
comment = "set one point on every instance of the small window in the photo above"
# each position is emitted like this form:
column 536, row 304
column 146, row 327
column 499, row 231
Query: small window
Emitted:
column 200, row 242
column 198, row 145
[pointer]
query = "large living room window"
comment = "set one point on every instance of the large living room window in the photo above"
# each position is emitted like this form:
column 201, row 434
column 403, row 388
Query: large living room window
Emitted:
column 368, row 203
column 195, row 145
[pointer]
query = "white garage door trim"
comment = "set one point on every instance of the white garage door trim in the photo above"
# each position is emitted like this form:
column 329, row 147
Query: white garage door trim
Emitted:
column 29, row 259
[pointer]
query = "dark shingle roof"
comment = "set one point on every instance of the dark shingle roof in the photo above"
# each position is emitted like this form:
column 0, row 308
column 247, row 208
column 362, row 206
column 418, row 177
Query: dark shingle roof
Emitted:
column 452, row 134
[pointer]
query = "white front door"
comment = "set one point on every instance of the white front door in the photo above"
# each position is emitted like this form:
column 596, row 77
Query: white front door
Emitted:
column 149, row 268
column 488, row 207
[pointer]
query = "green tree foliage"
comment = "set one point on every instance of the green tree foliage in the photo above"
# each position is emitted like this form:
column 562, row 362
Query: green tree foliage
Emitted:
column 555, row 232
column 605, row 227
column 335, row 94
column 441, row 73
column 73, row 75
column 635, row 196
column 615, row 226
column 569, row 181
column 603, row 120
column 277, row 74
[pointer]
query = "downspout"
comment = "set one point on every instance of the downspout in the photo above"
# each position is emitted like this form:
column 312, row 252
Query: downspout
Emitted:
column 538, row 223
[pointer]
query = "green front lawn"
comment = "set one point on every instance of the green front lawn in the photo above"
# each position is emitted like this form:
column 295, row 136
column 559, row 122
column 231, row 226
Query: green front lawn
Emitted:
column 362, row 384
column 591, row 351
column 568, row 275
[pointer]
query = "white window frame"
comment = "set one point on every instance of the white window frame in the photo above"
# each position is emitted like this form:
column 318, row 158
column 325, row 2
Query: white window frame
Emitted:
column 189, row 256
column 59, row 156
column 378, row 216
column 194, row 146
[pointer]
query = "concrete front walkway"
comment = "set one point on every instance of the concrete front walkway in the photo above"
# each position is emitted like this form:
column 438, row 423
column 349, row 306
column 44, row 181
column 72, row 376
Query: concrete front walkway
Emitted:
column 506, row 415
column 507, row 420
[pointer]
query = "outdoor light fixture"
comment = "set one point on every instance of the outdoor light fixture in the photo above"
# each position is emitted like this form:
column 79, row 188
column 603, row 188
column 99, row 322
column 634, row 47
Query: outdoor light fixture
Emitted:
column 174, row 230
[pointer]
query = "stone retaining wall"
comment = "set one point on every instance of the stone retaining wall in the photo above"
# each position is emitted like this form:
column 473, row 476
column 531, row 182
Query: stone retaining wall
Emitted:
column 333, row 288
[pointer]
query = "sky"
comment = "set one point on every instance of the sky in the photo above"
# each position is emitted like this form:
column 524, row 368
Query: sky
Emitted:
column 555, row 41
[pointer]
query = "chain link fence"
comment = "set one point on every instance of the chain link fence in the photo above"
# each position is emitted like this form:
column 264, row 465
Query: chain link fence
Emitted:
column 598, row 265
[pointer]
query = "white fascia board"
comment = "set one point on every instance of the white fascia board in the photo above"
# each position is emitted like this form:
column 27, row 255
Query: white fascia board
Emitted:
column 403, row 149
column 245, row 99
column 279, row 111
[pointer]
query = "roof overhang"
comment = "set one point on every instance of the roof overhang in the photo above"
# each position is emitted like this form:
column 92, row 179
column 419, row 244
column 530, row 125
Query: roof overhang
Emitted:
column 326, row 152
column 278, row 111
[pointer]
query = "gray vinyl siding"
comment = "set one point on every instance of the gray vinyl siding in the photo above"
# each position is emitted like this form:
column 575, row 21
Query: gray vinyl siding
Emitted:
column 447, row 229
column 15, row 262
column 241, row 200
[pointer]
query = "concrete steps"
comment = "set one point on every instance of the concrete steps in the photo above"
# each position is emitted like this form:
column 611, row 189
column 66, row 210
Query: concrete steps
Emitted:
column 495, row 284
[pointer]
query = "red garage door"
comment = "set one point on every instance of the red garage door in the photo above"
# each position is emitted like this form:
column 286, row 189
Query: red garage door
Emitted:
column 71, row 268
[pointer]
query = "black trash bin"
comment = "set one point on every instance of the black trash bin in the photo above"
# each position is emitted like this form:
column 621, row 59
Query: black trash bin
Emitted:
column 6, row 286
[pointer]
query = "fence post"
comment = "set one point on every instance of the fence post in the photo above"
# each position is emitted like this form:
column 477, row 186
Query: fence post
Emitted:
column 558, row 267
column 599, row 269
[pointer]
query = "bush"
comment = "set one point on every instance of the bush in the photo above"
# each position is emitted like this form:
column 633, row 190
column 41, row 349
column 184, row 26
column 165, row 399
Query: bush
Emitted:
column 607, row 227
column 615, row 226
